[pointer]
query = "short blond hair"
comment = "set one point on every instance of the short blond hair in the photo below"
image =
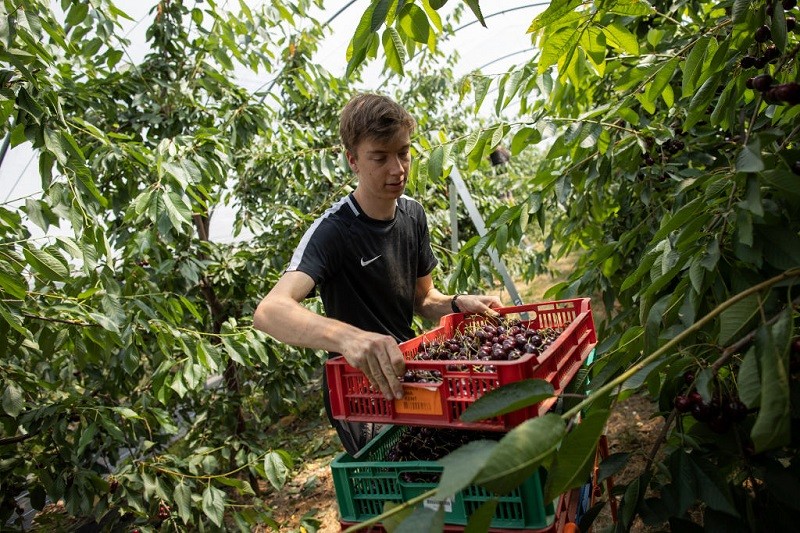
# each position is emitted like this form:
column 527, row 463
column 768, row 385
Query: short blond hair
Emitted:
column 372, row 116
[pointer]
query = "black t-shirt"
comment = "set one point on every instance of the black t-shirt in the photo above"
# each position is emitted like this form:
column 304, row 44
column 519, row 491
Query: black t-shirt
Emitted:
column 366, row 269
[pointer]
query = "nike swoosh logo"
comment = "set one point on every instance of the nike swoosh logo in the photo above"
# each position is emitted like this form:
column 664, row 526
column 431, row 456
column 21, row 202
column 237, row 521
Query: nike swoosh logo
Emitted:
column 365, row 263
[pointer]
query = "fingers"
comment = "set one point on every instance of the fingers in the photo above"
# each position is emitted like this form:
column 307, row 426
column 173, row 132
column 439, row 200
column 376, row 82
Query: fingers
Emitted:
column 479, row 304
column 385, row 374
column 381, row 361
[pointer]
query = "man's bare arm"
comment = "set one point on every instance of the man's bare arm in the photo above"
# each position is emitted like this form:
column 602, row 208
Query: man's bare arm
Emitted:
column 432, row 304
column 281, row 316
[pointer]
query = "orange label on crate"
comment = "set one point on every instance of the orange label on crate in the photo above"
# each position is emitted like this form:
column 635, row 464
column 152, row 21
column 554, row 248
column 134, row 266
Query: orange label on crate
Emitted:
column 419, row 400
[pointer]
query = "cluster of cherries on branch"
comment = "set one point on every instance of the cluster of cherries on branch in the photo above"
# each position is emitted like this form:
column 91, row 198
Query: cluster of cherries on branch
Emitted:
column 771, row 91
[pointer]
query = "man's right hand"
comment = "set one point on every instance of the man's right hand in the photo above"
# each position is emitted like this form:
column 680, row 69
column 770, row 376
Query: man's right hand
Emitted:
column 379, row 357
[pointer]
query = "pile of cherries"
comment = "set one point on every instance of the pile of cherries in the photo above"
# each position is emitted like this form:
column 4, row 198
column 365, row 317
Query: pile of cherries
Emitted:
column 430, row 444
column 719, row 414
column 504, row 339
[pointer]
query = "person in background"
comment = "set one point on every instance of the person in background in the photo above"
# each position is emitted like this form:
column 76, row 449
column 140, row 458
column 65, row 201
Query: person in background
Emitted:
column 369, row 256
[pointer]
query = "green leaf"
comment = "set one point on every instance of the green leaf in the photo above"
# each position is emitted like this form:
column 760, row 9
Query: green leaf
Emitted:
column 77, row 13
column 772, row 427
column 394, row 50
column 622, row 38
column 734, row 318
column 481, row 88
column 638, row 379
column 423, row 519
column 508, row 398
column 740, row 10
column 142, row 201
column 782, row 180
column 778, row 29
column 575, row 457
column 127, row 412
column 13, row 285
column 523, row 138
column 462, row 465
column 433, row 16
column 749, row 379
column 557, row 46
column 13, row 320
column 554, row 12
column 435, row 163
column 661, row 78
column 644, row 267
column 85, row 179
column 481, row 520
column 12, row 402
column 276, row 467
column 33, row 208
column 501, row 239
column 677, row 220
column 684, row 484
column 611, row 465
column 712, row 487
column 391, row 523
column 86, row 437
column 631, row 8
column 521, row 452
column 46, row 264
column 177, row 210
column 379, row 13
column 242, row 486
column 749, row 159
column 629, row 503
column 182, row 498
column 693, row 66
column 214, row 504
column 105, row 322
column 414, row 23
column 361, row 41
column 474, row 5
column 781, row 246
column 701, row 99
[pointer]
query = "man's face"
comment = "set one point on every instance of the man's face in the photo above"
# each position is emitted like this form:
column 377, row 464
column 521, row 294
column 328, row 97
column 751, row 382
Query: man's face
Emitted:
column 382, row 165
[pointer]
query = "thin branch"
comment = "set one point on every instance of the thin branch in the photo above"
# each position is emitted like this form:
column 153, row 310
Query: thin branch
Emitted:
column 18, row 438
column 61, row 321
column 739, row 345
column 727, row 353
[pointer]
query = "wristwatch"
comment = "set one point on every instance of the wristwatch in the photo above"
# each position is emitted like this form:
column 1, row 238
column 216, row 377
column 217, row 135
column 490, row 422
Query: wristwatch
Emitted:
column 454, row 305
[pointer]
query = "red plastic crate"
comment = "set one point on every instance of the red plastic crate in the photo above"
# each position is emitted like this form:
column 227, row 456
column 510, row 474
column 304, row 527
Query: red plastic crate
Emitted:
column 441, row 404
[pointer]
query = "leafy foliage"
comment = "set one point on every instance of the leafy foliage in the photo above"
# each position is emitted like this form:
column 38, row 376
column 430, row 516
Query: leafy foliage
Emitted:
column 133, row 387
column 672, row 172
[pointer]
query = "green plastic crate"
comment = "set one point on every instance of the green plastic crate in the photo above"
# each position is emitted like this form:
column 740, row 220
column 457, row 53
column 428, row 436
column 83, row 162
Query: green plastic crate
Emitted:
column 364, row 483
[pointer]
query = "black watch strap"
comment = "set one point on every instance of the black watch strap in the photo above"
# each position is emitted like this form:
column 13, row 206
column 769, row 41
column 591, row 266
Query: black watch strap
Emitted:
column 454, row 305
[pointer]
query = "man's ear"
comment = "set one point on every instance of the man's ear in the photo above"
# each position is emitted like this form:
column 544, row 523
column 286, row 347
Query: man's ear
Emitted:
column 352, row 161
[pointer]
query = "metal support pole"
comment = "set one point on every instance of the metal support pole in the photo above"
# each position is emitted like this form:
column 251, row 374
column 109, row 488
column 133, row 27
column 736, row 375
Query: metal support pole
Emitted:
column 453, row 218
column 461, row 187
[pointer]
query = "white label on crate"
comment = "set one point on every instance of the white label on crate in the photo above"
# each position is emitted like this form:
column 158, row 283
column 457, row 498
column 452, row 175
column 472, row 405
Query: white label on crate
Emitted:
column 433, row 505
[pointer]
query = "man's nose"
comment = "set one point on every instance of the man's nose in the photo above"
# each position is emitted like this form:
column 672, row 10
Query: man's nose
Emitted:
column 398, row 164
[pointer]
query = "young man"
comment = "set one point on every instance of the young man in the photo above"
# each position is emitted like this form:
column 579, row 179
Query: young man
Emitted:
column 370, row 257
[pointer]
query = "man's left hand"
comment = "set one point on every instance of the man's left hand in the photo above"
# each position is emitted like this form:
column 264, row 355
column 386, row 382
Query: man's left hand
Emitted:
column 478, row 304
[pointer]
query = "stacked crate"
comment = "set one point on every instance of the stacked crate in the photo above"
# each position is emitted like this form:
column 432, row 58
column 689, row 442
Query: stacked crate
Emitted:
column 364, row 483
